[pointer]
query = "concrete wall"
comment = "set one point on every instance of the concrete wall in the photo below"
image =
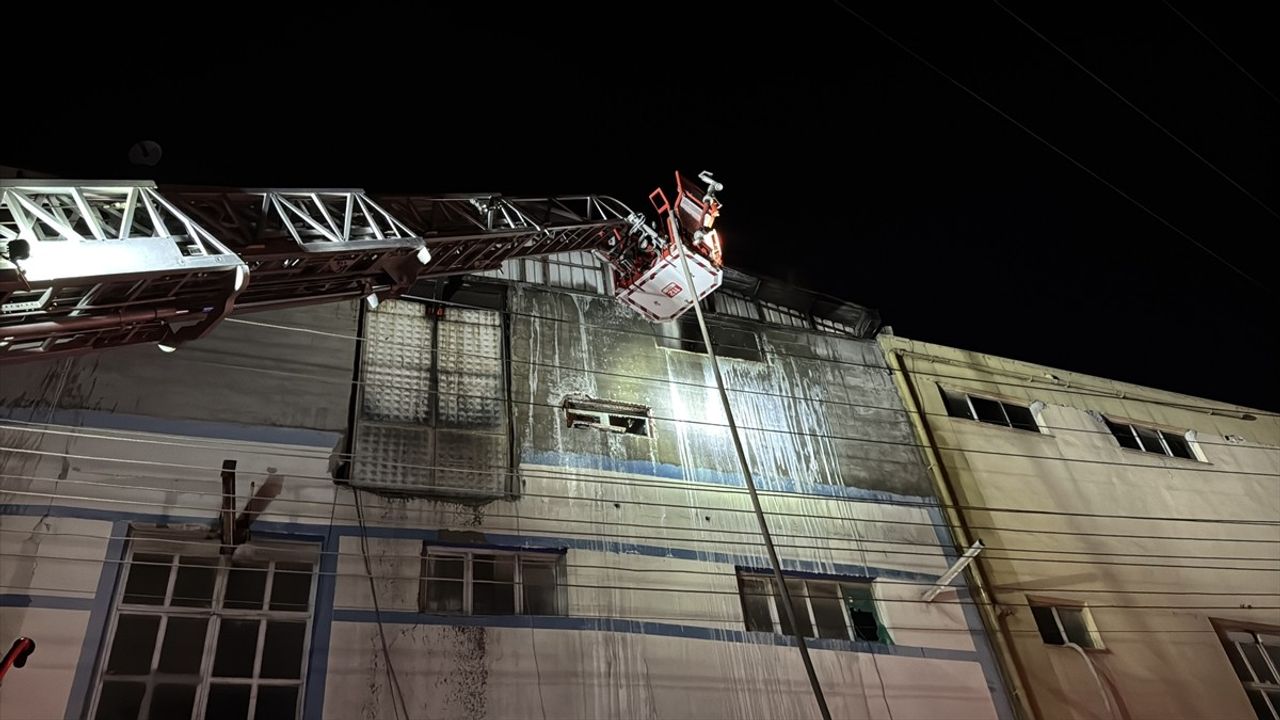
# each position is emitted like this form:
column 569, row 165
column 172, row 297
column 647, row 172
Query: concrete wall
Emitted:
column 652, row 529
column 1151, row 592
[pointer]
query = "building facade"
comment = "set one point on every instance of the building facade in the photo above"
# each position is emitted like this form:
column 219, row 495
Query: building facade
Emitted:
column 1132, row 536
column 504, row 498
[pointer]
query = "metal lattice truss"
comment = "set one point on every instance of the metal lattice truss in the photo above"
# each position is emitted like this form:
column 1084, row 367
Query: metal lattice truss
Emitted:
column 91, row 265
column 474, row 233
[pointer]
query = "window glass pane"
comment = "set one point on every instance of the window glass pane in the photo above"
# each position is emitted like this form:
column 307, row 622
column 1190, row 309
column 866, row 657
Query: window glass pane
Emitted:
column 148, row 579
column 539, row 579
column 827, row 611
column 1178, row 445
column 276, row 702
column 862, row 613
column 227, row 702
column 172, row 701
column 1123, row 434
column 120, row 700
column 957, row 405
column 282, row 650
column 134, row 644
column 183, row 646
column 989, row 411
column 800, row 607
column 1274, row 652
column 245, row 585
column 1260, row 705
column 1237, row 656
column 194, row 585
column 1047, row 626
column 755, row 593
column 444, row 584
column 1253, row 653
column 1021, row 417
column 1150, row 440
column 291, row 587
column 1077, row 628
column 237, row 646
column 493, row 585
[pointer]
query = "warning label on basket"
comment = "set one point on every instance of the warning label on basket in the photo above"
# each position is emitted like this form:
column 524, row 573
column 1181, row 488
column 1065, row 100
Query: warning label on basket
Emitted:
column 672, row 290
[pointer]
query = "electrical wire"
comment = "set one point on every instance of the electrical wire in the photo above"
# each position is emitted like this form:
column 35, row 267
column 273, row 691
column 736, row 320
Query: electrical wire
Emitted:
column 637, row 570
column 830, row 498
column 828, row 539
column 1222, row 52
column 1137, row 109
column 1055, row 149
column 393, row 680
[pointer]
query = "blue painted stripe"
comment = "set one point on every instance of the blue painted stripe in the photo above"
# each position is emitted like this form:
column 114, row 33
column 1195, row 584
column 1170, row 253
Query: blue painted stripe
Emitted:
column 543, row 542
column 668, row 471
column 45, row 602
column 644, row 627
column 99, row 615
column 321, row 629
column 104, row 420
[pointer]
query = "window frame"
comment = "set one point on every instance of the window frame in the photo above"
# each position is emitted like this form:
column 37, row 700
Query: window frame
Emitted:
column 949, row 394
column 776, row 616
column 558, row 563
column 690, row 343
column 272, row 552
column 1223, row 628
column 1054, row 606
column 1115, row 426
column 604, row 411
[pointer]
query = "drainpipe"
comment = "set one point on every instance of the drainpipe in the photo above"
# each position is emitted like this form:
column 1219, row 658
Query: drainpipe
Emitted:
column 1011, row 670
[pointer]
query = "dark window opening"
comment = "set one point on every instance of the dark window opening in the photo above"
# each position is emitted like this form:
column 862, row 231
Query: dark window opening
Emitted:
column 608, row 416
column 987, row 410
column 1152, row 440
column 822, row 608
column 728, row 341
column 1060, row 624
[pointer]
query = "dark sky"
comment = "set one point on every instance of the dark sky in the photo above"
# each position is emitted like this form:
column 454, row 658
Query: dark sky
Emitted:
column 849, row 166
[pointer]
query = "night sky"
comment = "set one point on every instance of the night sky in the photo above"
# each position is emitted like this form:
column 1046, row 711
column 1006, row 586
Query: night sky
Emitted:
column 849, row 166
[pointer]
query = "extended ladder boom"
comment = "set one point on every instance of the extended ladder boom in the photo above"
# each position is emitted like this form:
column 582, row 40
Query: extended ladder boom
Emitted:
column 93, row 265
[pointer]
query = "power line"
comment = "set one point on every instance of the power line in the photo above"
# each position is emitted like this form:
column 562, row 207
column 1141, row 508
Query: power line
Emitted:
column 704, row 508
column 1138, row 110
column 1222, row 52
column 1054, row 148
column 868, row 500
column 683, row 590
column 622, row 539
column 686, row 571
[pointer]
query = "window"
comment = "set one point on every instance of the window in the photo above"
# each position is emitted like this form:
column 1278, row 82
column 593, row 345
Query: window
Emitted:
column 1255, row 655
column 782, row 315
column 1061, row 624
column 728, row 303
column 608, row 416
column 833, row 326
column 201, row 636
column 490, row 582
column 995, row 412
column 433, row 413
column 1152, row 440
column 823, row 608
column 683, row 333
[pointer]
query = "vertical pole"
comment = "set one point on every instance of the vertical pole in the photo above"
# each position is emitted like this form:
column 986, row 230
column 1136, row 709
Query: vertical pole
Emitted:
column 673, row 231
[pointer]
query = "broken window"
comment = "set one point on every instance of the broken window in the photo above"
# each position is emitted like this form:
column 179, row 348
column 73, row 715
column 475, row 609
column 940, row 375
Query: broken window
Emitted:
column 606, row 415
column 1254, row 653
column 196, row 634
column 1062, row 624
column 823, row 608
column 729, row 341
column 490, row 582
column 1152, row 440
column 434, row 410
column 988, row 410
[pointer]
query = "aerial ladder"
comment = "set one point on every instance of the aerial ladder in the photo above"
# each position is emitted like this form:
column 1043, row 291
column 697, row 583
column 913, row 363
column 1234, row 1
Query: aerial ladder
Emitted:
column 92, row 265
